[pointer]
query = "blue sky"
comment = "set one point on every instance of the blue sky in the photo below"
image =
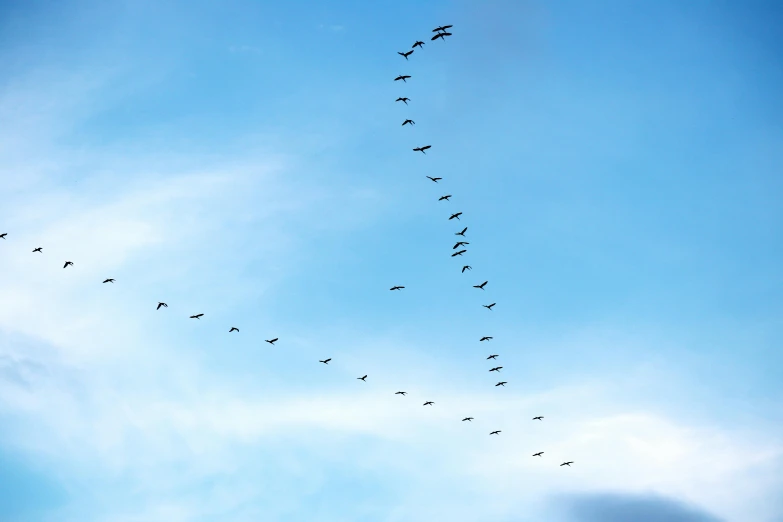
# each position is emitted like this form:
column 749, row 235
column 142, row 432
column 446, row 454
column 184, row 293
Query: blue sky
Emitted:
column 618, row 167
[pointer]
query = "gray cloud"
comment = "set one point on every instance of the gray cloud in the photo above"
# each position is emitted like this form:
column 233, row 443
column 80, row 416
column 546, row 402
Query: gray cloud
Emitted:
column 621, row 507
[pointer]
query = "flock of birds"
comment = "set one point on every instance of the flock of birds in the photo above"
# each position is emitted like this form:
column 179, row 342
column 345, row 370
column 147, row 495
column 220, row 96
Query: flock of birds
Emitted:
column 441, row 33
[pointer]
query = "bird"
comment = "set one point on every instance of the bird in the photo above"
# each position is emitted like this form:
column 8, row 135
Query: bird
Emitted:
column 403, row 100
column 4, row 234
column 493, row 356
column 422, row 149
column 459, row 244
column 462, row 232
column 363, row 378
column 67, row 263
column 108, row 280
column 482, row 285
column 538, row 454
column 458, row 253
column 405, row 55
column 407, row 122
column 233, row 329
column 501, row 383
column 417, row 44
column 434, row 179
column 396, row 288
column 401, row 393
column 326, row 361
column 485, row 338
column 272, row 341
column 428, row 403
column 440, row 35
column 442, row 28
column 197, row 316
column 489, row 306
column 567, row 463
column 402, row 77
column 466, row 267
column 467, row 419
column 496, row 432
column 446, row 197
column 39, row 249
column 496, row 369
column 164, row 305
column 540, row 417
column 457, row 215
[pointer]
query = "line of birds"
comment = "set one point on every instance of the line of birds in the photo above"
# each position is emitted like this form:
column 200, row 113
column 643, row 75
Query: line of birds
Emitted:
column 442, row 33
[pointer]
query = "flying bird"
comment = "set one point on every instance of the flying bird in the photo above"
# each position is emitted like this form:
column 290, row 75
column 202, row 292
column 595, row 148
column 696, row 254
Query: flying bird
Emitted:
column 401, row 393
column 459, row 244
column 457, row 215
column 462, row 232
column 434, row 179
column 440, row 35
column 326, row 361
column 458, row 253
column 396, row 288
column 197, row 316
column 422, row 149
column 408, row 122
column 272, row 341
column 363, row 378
column 417, row 44
column 496, row 432
column 489, row 306
column 493, row 356
column 540, row 417
column 39, row 249
column 501, row 383
column 446, row 197
column 403, row 100
column 567, row 463
column 442, row 28
column 467, row 419
column 233, row 329
column 485, row 338
column 67, row 263
column 108, row 280
column 482, row 285
column 538, row 454
column 402, row 77
column 405, row 55
column 466, row 267
column 428, row 403
column 164, row 305
column 496, row 369
column 4, row 234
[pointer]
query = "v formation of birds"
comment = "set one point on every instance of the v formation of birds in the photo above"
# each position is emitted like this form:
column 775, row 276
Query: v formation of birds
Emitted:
column 441, row 33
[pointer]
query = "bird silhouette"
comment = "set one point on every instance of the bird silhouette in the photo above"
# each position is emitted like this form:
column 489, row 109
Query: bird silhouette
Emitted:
column 363, row 378
column 540, row 417
column 446, row 197
column 482, row 285
column 405, row 55
column 538, row 454
column 408, row 122
column 434, row 179
column 233, row 329
column 456, row 216
column 489, row 306
column 197, row 316
column 459, row 244
column 272, row 341
column 466, row 267
column 428, row 403
column 326, row 361
column 67, row 263
column 396, row 288
column 402, row 77
column 567, row 463
column 493, row 356
column 401, row 393
column 458, row 253
column 164, row 305
column 440, row 35
column 39, row 249
column 417, row 44
column 467, row 419
column 442, row 28
column 403, row 100
column 501, row 383
column 485, row 338
column 496, row 369
column 422, row 149
column 108, row 280
column 461, row 232
column 4, row 234
column 496, row 432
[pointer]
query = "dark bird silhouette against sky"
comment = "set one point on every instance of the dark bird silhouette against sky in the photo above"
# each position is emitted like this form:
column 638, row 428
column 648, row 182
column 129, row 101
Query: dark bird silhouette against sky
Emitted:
column 164, row 305
column 458, row 253
column 434, row 179
column 496, row 369
column 467, row 419
column 485, row 338
column 408, row 122
column 442, row 28
column 363, row 378
column 459, row 244
column 4, row 234
column 401, row 393
column 39, row 249
column 326, row 361
column 482, row 285
column 271, row 341
column 403, row 100
column 538, row 454
column 396, row 288
column 444, row 198
column 493, row 356
column 197, row 316
column 489, row 306
column 461, row 232
column 402, row 77
column 405, row 55
column 540, row 417
column 496, row 432
column 428, row 403
column 67, row 263
column 466, row 267
column 456, row 216
column 233, row 329
column 417, row 44
column 567, row 463
column 110, row 280
column 422, row 149
column 441, row 36
column 501, row 383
